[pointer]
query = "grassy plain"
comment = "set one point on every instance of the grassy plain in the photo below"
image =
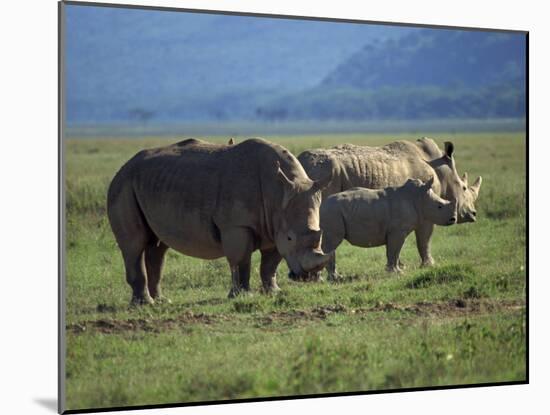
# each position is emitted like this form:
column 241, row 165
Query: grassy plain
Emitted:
column 461, row 322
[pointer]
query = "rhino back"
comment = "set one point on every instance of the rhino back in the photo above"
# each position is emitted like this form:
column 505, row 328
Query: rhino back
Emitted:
column 364, row 213
column 369, row 215
column 370, row 167
column 190, row 191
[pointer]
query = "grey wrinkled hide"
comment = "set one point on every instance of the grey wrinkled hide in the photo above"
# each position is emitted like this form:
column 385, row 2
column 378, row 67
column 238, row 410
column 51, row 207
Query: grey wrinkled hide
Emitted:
column 392, row 165
column 369, row 218
column 210, row 201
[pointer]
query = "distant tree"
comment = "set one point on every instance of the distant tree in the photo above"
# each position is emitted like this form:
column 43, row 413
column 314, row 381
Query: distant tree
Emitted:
column 141, row 114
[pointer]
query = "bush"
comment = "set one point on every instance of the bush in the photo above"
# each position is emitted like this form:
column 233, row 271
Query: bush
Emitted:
column 441, row 275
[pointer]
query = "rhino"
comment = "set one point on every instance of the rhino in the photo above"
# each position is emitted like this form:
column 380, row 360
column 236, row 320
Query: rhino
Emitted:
column 392, row 165
column 215, row 200
column 368, row 218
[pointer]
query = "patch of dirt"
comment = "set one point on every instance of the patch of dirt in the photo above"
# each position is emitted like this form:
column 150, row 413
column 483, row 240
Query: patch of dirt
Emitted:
column 440, row 310
column 293, row 316
column 285, row 317
column 208, row 301
column 106, row 308
column 111, row 326
column 451, row 308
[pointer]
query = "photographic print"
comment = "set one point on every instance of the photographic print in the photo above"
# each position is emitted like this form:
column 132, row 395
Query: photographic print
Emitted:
column 266, row 207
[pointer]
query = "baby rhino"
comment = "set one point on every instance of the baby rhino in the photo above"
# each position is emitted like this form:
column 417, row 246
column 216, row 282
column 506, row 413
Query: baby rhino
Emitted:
column 368, row 218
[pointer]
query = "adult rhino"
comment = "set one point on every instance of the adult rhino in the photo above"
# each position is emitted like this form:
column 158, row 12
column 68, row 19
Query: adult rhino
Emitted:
column 392, row 165
column 210, row 200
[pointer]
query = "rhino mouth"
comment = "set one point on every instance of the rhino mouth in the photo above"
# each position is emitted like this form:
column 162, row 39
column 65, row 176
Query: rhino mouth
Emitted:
column 451, row 221
column 467, row 218
column 293, row 276
column 299, row 273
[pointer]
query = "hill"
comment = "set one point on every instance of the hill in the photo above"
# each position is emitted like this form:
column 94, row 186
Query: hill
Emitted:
column 130, row 64
column 447, row 58
column 427, row 73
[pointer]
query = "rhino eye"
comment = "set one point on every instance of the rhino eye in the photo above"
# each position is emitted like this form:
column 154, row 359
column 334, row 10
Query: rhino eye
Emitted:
column 464, row 188
column 289, row 238
column 440, row 207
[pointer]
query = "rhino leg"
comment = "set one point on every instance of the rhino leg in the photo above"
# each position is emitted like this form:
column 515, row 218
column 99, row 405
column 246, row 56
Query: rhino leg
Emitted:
column 240, row 279
column 423, row 237
column 331, row 268
column 268, row 267
column 137, row 278
column 238, row 245
column 154, row 261
column 244, row 275
column 133, row 235
column 332, row 238
column 394, row 244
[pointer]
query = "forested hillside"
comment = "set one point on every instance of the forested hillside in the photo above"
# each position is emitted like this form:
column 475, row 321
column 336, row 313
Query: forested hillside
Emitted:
column 142, row 65
column 427, row 73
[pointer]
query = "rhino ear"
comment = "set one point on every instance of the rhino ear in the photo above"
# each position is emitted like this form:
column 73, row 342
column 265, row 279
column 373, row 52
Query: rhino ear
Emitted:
column 476, row 186
column 428, row 184
column 288, row 186
column 414, row 183
column 465, row 178
column 321, row 183
column 449, row 149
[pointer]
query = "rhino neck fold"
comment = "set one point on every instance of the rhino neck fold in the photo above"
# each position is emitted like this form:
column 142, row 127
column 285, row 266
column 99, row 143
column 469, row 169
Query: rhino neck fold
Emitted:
column 440, row 186
column 270, row 217
column 270, row 222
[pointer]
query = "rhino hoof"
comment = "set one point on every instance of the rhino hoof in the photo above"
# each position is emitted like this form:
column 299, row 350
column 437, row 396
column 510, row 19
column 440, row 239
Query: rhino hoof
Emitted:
column 315, row 276
column 139, row 301
column 161, row 299
column 394, row 269
column 271, row 290
column 336, row 278
column 427, row 263
column 238, row 293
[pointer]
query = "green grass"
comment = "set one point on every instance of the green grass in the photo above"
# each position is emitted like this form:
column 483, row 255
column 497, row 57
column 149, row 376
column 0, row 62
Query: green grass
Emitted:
column 460, row 322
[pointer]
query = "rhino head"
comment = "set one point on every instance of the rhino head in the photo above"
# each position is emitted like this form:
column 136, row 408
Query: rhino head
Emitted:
column 455, row 188
column 434, row 208
column 298, row 236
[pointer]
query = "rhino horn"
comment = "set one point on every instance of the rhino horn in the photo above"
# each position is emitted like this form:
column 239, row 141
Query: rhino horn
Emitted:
column 314, row 261
column 428, row 184
column 475, row 187
column 231, row 141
